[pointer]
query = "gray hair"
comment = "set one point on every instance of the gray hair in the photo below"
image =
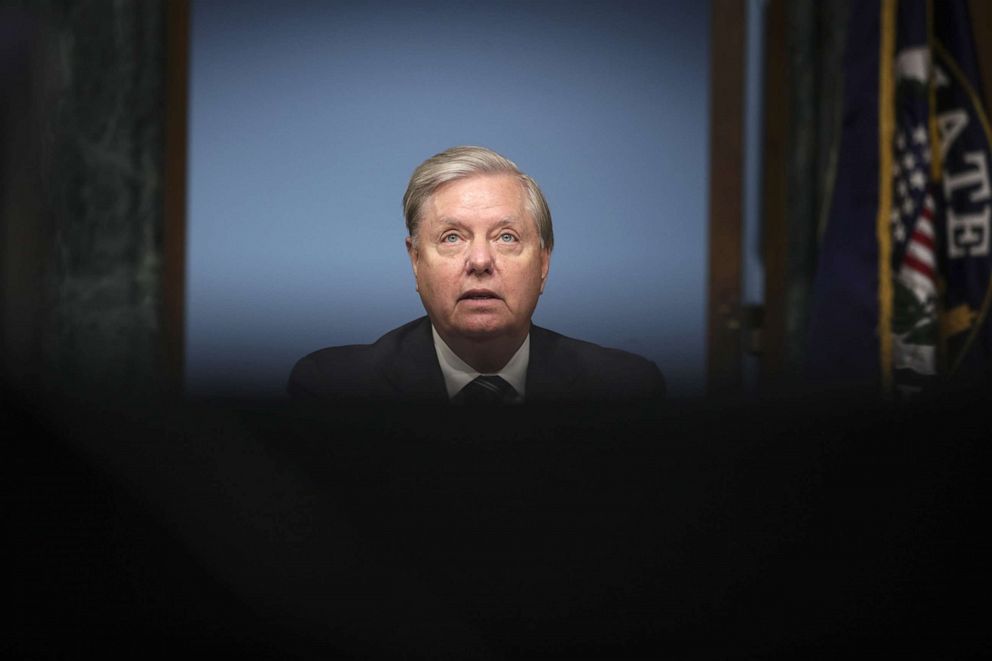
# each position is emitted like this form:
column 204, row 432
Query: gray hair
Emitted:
column 467, row 161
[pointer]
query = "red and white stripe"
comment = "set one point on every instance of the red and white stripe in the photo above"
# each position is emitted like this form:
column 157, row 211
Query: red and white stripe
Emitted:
column 919, row 265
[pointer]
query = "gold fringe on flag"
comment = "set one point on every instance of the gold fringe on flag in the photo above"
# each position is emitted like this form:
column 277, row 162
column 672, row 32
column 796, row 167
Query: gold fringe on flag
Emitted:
column 886, row 121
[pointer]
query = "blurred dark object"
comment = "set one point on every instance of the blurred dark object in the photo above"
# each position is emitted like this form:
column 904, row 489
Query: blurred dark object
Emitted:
column 807, row 527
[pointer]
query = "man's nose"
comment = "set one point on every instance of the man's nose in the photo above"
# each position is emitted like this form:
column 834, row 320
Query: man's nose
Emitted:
column 480, row 256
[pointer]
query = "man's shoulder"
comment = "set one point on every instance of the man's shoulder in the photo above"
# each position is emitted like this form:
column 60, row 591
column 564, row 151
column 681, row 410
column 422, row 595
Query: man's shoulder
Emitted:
column 353, row 370
column 585, row 350
column 594, row 370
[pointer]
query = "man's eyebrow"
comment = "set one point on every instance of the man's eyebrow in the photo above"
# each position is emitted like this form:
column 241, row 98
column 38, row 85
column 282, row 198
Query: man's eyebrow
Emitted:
column 448, row 221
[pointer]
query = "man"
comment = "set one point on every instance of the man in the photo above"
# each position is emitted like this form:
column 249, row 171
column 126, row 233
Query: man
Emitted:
column 480, row 241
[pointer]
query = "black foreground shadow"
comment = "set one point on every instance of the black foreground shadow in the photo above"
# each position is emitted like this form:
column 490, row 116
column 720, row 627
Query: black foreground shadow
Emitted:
column 789, row 528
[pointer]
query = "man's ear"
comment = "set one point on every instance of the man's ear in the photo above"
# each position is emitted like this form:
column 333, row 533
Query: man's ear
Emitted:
column 545, row 266
column 411, row 250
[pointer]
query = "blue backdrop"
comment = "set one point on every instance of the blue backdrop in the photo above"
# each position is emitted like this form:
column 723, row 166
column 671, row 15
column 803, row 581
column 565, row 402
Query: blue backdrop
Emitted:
column 307, row 118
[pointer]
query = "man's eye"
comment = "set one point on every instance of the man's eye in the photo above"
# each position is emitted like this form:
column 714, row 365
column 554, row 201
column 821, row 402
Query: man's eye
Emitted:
column 506, row 237
column 449, row 238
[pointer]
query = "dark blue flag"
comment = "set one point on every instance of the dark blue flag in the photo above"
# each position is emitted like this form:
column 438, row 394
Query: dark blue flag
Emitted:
column 965, row 138
column 902, row 288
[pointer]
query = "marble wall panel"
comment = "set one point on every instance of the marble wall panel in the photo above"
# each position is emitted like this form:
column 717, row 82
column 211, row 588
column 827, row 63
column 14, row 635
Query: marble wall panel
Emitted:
column 93, row 208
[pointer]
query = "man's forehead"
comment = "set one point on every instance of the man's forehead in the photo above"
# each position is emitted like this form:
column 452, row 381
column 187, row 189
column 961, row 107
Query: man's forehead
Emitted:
column 498, row 189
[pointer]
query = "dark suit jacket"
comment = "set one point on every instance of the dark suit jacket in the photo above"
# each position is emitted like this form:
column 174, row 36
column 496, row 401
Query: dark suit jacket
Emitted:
column 402, row 365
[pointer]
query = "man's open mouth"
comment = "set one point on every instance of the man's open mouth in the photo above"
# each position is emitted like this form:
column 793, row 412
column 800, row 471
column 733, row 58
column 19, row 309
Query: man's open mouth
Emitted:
column 478, row 295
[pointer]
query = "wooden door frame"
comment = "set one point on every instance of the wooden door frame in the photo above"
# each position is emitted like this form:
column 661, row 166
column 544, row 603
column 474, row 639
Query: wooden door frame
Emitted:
column 173, row 312
column 726, row 199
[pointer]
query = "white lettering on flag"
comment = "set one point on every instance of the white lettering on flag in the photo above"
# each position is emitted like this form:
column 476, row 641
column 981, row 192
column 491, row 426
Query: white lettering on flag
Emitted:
column 950, row 123
column 968, row 234
column 978, row 176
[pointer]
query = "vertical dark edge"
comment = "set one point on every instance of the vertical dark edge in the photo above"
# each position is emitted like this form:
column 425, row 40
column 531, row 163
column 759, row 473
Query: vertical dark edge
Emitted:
column 981, row 23
column 174, row 199
column 727, row 71
column 775, row 231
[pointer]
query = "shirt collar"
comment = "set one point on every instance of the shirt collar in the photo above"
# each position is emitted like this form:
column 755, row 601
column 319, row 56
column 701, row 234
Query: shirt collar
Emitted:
column 457, row 373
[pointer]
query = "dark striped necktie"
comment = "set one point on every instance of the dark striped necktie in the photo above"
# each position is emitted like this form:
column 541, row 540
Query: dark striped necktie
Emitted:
column 486, row 390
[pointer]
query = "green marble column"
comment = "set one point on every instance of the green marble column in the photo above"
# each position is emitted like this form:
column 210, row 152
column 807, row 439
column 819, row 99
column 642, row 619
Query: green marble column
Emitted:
column 83, row 196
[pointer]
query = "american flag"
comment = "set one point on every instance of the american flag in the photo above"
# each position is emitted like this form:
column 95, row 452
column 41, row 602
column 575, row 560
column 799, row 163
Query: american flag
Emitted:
column 914, row 221
column 913, row 212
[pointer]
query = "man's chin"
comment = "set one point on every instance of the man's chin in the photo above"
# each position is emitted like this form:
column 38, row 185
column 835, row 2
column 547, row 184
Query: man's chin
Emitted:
column 480, row 332
column 481, row 329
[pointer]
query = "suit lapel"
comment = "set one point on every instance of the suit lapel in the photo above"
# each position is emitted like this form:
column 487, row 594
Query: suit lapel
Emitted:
column 412, row 368
column 549, row 375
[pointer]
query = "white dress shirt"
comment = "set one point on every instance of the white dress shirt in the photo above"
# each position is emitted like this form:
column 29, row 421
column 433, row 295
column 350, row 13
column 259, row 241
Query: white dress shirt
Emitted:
column 457, row 373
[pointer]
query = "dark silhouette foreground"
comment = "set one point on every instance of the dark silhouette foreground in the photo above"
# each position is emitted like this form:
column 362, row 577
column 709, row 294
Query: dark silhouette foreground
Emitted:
column 264, row 530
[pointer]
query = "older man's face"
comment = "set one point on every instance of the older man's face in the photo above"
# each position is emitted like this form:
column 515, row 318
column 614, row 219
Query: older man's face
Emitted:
column 478, row 259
